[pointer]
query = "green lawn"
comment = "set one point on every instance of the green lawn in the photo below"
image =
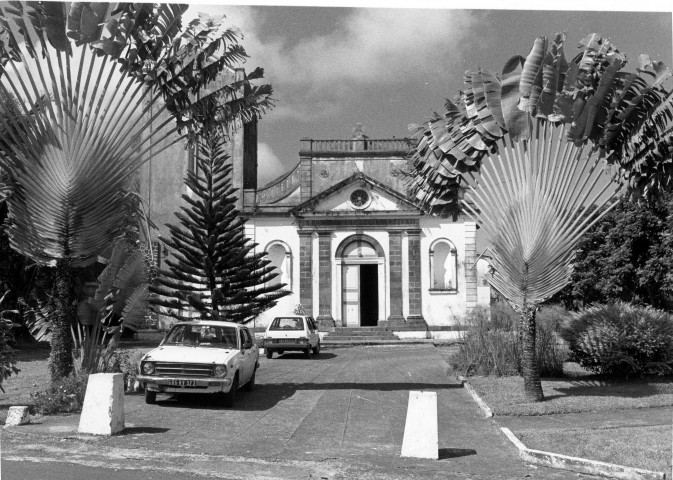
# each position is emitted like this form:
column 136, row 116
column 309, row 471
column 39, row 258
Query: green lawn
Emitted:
column 34, row 376
column 646, row 447
column 578, row 392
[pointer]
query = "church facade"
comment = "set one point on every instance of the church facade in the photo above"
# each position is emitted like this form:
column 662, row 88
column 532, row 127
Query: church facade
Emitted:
column 352, row 248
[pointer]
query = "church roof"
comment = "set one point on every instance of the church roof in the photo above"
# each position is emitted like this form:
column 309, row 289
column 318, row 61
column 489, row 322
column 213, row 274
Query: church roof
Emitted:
column 404, row 202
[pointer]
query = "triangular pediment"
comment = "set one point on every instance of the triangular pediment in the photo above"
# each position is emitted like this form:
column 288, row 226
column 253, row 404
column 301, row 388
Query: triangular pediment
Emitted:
column 358, row 194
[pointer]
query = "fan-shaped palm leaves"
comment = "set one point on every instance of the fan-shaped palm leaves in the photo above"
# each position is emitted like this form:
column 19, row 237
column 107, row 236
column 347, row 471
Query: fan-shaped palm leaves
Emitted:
column 524, row 153
column 109, row 71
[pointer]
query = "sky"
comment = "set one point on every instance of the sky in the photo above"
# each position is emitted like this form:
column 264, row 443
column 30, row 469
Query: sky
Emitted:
column 333, row 67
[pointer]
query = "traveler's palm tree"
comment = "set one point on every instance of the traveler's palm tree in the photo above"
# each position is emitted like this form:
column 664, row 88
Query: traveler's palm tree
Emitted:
column 109, row 71
column 524, row 153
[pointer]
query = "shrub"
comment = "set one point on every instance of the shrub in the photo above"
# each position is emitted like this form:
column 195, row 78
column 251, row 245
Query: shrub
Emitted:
column 7, row 359
column 62, row 396
column 491, row 344
column 621, row 339
column 123, row 361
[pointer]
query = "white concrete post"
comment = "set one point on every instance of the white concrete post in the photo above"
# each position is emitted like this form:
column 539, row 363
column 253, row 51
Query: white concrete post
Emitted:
column 17, row 416
column 103, row 409
column 421, row 438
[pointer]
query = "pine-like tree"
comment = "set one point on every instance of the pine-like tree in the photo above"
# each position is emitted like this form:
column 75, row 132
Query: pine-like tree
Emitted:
column 214, row 273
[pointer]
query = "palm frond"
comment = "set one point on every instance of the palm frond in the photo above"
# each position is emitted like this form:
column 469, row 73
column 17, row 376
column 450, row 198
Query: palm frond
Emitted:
column 534, row 200
column 69, row 159
column 524, row 153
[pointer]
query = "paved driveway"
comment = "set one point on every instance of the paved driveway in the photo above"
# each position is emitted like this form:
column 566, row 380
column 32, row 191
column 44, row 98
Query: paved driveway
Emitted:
column 340, row 415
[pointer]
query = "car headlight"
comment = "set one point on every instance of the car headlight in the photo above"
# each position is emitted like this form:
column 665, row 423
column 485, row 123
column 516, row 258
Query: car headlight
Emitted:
column 148, row 368
column 220, row 370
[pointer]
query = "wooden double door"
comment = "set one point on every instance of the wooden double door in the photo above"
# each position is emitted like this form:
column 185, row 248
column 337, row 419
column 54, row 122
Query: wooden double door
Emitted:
column 360, row 295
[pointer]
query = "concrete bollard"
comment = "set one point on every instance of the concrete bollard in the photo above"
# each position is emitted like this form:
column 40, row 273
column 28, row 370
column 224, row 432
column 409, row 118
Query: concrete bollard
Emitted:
column 103, row 409
column 17, row 416
column 421, row 438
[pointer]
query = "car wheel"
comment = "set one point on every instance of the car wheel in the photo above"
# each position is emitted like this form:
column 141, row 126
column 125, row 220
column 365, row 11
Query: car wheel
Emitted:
column 307, row 352
column 269, row 353
column 150, row 397
column 251, row 383
column 316, row 349
column 230, row 396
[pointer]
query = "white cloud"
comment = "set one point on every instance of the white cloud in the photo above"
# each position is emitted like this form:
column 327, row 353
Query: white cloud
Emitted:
column 382, row 45
column 269, row 166
column 370, row 47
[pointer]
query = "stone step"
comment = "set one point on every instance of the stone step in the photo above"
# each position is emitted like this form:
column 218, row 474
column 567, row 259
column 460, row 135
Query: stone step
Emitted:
column 346, row 334
column 359, row 329
column 376, row 338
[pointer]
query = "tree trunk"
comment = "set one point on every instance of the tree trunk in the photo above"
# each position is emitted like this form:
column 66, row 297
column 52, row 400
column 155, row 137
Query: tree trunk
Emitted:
column 531, row 372
column 60, row 360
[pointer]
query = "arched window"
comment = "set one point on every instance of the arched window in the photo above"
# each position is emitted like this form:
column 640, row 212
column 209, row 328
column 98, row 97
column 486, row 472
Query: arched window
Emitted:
column 443, row 265
column 360, row 249
column 278, row 252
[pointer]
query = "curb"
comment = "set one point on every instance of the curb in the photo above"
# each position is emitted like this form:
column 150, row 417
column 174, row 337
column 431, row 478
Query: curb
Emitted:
column 580, row 465
column 484, row 407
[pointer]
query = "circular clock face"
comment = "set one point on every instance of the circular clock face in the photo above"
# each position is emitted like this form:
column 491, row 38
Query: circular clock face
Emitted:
column 359, row 198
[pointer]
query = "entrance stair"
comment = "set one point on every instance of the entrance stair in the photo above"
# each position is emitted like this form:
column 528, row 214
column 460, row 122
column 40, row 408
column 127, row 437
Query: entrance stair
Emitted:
column 359, row 335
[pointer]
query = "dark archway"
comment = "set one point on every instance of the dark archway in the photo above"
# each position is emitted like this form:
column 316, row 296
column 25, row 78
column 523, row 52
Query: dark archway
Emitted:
column 362, row 280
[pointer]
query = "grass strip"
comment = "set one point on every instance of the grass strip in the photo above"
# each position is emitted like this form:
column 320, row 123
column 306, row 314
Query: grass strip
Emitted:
column 646, row 447
column 578, row 392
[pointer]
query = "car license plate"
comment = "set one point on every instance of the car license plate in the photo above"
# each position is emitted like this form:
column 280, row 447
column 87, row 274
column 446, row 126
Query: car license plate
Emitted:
column 182, row 383
column 286, row 340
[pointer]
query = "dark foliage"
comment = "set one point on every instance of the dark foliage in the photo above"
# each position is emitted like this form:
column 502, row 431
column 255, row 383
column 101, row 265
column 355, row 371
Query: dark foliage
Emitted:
column 627, row 256
column 7, row 359
column 65, row 395
column 491, row 345
column 214, row 273
column 622, row 340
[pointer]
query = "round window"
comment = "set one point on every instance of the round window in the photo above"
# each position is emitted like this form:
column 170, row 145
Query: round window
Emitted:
column 359, row 198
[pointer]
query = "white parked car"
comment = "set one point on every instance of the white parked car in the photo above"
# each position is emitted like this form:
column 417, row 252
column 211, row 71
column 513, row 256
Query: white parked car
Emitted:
column 201, row 357
column 292, row 332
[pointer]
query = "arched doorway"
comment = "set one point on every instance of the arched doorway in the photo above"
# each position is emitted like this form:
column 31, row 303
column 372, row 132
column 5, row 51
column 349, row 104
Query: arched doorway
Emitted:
column 361, row 261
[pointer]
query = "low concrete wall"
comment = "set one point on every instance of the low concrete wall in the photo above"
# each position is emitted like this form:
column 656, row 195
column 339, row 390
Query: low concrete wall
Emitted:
column 475, row 396
column 580, row 465
column 446, row 335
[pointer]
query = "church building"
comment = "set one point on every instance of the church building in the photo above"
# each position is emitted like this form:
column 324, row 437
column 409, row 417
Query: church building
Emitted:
column 352, row 247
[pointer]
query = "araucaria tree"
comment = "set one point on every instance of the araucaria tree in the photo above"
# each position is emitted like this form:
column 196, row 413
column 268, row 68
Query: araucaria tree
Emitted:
column 108, row 70
column 523, row 154
column 214, row 273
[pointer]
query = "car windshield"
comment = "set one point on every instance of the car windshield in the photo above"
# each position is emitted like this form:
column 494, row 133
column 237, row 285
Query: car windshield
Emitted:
column 202, row 336
column 287, row 323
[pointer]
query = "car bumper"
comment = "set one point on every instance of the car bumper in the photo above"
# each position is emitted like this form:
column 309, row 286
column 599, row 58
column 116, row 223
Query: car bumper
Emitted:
column 286, row 346
column 167, row 384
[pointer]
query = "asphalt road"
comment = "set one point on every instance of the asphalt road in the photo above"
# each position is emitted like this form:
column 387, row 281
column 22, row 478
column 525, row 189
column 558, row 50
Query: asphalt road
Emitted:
column 338, row 416
column 68, row 471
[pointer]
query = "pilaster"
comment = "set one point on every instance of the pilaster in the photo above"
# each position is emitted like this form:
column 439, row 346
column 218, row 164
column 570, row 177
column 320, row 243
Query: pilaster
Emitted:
column 415, row 292
column 396, row 317
column 305, row 273
column 470, row 268
column 305, row 188
column 325, row 319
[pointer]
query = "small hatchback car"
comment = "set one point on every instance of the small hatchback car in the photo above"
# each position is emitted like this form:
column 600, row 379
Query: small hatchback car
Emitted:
column 292, row 332
column 201, row 357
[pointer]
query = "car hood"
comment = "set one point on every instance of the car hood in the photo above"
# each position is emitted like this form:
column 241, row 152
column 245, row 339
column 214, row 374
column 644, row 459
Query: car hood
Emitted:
column 181, row 354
